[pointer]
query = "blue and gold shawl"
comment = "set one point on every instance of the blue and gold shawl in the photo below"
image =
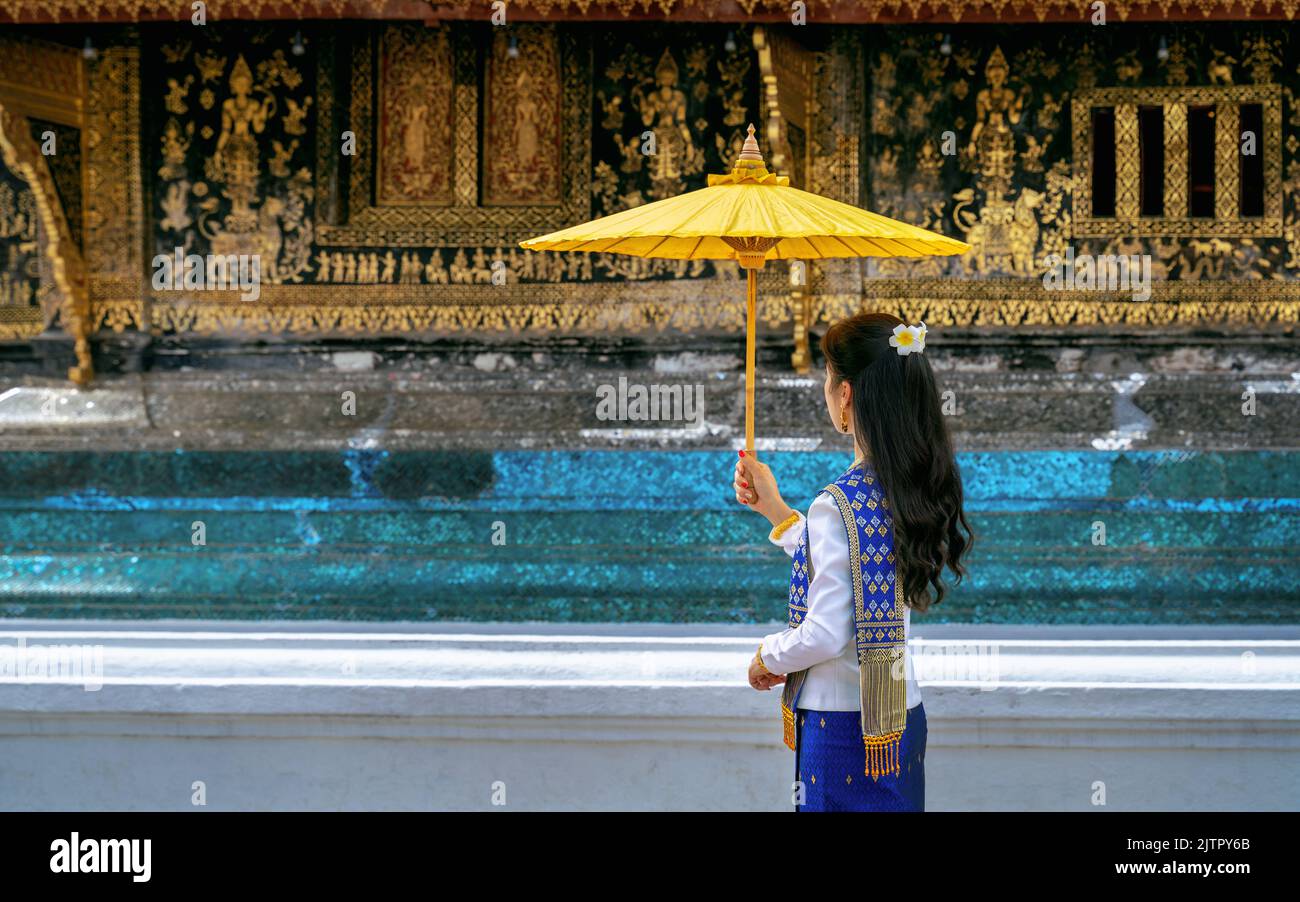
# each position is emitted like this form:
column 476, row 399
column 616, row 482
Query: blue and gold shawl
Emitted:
column 878, row 615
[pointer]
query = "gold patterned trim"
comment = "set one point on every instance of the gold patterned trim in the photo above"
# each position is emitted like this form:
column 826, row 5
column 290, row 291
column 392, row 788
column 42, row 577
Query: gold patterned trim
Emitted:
column 844, row 11
column 855, row 570
column 114, row 209
column 699, row 305
column 883, row 697
column 1014, row 302
column 570, row 308
column 17, row 323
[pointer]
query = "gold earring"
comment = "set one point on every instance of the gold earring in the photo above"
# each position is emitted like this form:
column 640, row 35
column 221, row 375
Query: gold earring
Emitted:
column 844, row 418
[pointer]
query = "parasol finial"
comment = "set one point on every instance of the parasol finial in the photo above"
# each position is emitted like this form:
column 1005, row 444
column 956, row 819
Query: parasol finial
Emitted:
column 750, row 149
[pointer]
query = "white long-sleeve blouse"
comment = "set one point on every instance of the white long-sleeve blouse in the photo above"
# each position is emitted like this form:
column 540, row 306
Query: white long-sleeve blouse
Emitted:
column 824, row 642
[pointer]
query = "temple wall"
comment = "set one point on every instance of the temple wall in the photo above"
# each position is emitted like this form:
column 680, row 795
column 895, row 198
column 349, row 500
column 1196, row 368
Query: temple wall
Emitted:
column 393, row 274
column 410, row 228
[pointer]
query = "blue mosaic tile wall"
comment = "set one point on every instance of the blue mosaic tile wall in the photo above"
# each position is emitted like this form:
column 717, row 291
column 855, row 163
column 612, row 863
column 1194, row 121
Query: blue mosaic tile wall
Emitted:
column 619, row 536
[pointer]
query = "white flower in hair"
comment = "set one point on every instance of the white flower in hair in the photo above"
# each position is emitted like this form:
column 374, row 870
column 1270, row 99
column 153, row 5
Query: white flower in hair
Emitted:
column 908, row 339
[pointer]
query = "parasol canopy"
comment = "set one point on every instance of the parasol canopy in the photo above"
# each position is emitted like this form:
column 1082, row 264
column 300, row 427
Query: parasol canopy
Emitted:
column 749, row 215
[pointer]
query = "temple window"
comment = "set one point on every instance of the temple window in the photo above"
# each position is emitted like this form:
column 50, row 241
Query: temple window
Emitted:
column 1179, row 161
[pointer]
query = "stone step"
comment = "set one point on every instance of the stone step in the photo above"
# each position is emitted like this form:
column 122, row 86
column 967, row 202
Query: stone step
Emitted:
column 396, row 531
column 523, row 584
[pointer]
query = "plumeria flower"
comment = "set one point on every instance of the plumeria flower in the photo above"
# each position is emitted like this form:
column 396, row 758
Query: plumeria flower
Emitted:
column 908, row 339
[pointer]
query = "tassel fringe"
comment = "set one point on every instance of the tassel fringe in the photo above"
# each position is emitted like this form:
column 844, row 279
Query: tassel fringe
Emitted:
column 884, row 710
column 882, row 755
column 787, row 718
column 789, row 705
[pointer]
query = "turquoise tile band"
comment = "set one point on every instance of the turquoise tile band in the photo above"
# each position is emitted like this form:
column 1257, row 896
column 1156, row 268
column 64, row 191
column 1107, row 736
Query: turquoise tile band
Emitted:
column 1206, row 537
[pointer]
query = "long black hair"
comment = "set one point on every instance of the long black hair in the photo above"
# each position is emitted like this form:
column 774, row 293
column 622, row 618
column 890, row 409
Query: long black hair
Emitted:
column 898, row 421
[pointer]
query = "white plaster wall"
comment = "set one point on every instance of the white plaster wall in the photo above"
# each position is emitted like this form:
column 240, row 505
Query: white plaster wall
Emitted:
column 336, row 716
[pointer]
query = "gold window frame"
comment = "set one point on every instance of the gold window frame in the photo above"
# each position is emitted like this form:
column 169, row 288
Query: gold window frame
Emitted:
column 1227, row 221
column 464, row 222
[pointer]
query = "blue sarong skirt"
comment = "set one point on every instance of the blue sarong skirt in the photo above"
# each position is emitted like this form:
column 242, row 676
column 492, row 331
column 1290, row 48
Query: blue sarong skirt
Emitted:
column 830, row 761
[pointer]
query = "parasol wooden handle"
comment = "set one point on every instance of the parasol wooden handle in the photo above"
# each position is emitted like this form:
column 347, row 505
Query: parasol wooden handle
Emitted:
column 751, row 253
column 751, row 327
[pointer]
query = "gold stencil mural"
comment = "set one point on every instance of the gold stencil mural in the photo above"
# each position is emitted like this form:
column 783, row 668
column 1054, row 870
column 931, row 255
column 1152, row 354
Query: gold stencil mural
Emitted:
column 415, row 86
column 20, row 276
column 548, row 108
column 230, row 169
column 397, row 255
column 522, row 156
column 51, row 237
column 987, row 133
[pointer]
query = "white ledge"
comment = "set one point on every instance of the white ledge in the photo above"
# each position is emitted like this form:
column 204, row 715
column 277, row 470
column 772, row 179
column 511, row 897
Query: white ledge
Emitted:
column 489, row 670
column 405, row 716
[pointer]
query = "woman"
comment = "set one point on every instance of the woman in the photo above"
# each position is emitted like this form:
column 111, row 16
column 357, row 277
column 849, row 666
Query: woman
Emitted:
column 873, row 547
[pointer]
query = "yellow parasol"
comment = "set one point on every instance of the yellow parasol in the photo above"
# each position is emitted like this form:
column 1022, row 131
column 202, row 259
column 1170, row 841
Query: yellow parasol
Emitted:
column 749, row 215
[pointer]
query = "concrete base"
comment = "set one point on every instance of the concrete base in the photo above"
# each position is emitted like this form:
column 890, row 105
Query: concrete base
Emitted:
column 336, row 716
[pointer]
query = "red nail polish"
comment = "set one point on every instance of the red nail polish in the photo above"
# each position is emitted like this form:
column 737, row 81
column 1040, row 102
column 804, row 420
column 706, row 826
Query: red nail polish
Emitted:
column 744, row 485
column 742, row 453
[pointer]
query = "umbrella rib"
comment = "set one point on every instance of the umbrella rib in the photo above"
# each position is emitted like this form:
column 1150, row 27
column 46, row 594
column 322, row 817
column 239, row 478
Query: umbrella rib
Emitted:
column 907, row 243
column 847, row 246
column 875, row 242
column 658, row 244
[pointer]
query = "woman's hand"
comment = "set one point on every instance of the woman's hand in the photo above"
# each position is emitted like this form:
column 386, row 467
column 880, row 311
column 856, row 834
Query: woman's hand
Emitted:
column 756, row 486
column 760, row 677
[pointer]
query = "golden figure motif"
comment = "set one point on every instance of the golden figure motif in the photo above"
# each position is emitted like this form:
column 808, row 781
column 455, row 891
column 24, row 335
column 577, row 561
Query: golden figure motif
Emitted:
column 277, row 227
column 1219, row 71
column 1032, row 160
column 611, row 109
column 1004, row 232
column 210, row 65
column 1049, row 109
column 1262, row 55
column 526, row 113
column 18, row 236
column 175, row 206
column 176, row 93
column 663, row 112
column 1128, row 67
column 278, row 165
column 997, row 108
column 235, row 160
column 294, row 114
column 1177, row 66
column 521, row 155
column 175, row 144
column 415, row 108
column 415, row 135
